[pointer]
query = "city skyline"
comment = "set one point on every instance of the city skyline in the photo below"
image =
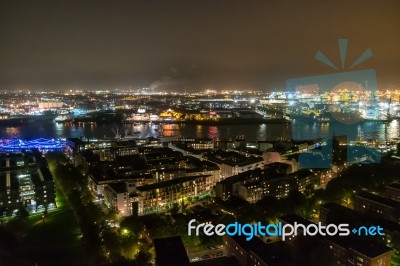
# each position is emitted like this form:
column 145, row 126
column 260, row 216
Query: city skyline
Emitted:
column 196, row 133
column 190, row 46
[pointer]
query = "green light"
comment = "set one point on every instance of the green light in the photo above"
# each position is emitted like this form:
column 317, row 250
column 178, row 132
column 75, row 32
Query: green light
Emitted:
column 125, row 232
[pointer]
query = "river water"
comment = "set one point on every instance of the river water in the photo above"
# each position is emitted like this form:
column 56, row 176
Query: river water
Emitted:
column 297, row 130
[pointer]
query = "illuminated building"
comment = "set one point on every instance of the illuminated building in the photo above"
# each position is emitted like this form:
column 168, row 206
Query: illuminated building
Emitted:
column 117, row 198
column 256, row 184
column 107, row 150
column 158, row 177
column 194, row 144
column 18, row 145
column 25, row 181
column 162, row 195
column 50, row 105
column 277, row 187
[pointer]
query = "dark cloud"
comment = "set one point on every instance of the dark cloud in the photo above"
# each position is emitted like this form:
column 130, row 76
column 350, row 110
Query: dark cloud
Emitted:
column 196, row 44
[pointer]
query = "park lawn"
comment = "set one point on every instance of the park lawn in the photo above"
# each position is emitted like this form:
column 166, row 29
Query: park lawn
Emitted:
column 54, row 241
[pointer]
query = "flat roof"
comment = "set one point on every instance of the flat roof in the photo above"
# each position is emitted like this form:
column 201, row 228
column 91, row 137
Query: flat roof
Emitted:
column 277, row 253
column 221, row 261
column 394, row 186
column 292, row 218
column 370, row 249
column 170, row 251
column 119, row 187
column 379, row 199
column 356, row 218
column 254, row 244
column 242, row 176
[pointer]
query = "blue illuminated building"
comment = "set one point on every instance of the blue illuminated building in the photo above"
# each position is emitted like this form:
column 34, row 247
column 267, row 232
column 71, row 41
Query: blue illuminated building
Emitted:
column 43, row 145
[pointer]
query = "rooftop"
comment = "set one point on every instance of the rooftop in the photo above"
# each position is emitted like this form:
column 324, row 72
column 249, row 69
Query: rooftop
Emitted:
column 232, row 158
column 119, row 187
column 242, row 176
column 277, row 253
column 394, row 186
column 170, row 251
column 254, row 244
column 379, row 199
column 341, row 214
column 221, row 261
column 367, row 248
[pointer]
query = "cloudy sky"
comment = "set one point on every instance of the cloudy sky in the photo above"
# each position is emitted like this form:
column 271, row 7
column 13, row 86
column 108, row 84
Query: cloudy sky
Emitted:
column 190, row 45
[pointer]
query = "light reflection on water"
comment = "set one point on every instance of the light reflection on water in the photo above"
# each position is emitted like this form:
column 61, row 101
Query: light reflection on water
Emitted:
column 365, row 131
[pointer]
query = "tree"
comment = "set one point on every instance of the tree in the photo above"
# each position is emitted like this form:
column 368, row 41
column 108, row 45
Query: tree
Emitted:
column 142, row 258
column 295, row 202
column 270, row 206
column 22, row 213
column 309, row 190
column 132, row 223
column 175, row 208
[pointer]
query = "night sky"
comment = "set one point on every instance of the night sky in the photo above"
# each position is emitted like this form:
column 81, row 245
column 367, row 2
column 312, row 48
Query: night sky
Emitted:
column 191, row 45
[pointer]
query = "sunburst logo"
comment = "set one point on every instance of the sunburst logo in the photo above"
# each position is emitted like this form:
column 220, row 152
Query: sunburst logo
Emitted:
column 343, row 49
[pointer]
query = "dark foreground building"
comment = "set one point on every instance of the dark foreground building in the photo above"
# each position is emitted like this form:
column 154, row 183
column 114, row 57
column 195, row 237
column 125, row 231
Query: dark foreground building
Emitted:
column 25, row 182
column 170, row 251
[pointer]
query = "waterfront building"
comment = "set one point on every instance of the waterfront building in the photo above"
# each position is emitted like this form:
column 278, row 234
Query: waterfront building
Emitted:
column 193, row 144
column 50, row 105
column 149, row 142
column 107, row 150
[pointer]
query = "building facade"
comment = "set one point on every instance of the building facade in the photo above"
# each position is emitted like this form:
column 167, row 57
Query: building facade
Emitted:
column 25, row 182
